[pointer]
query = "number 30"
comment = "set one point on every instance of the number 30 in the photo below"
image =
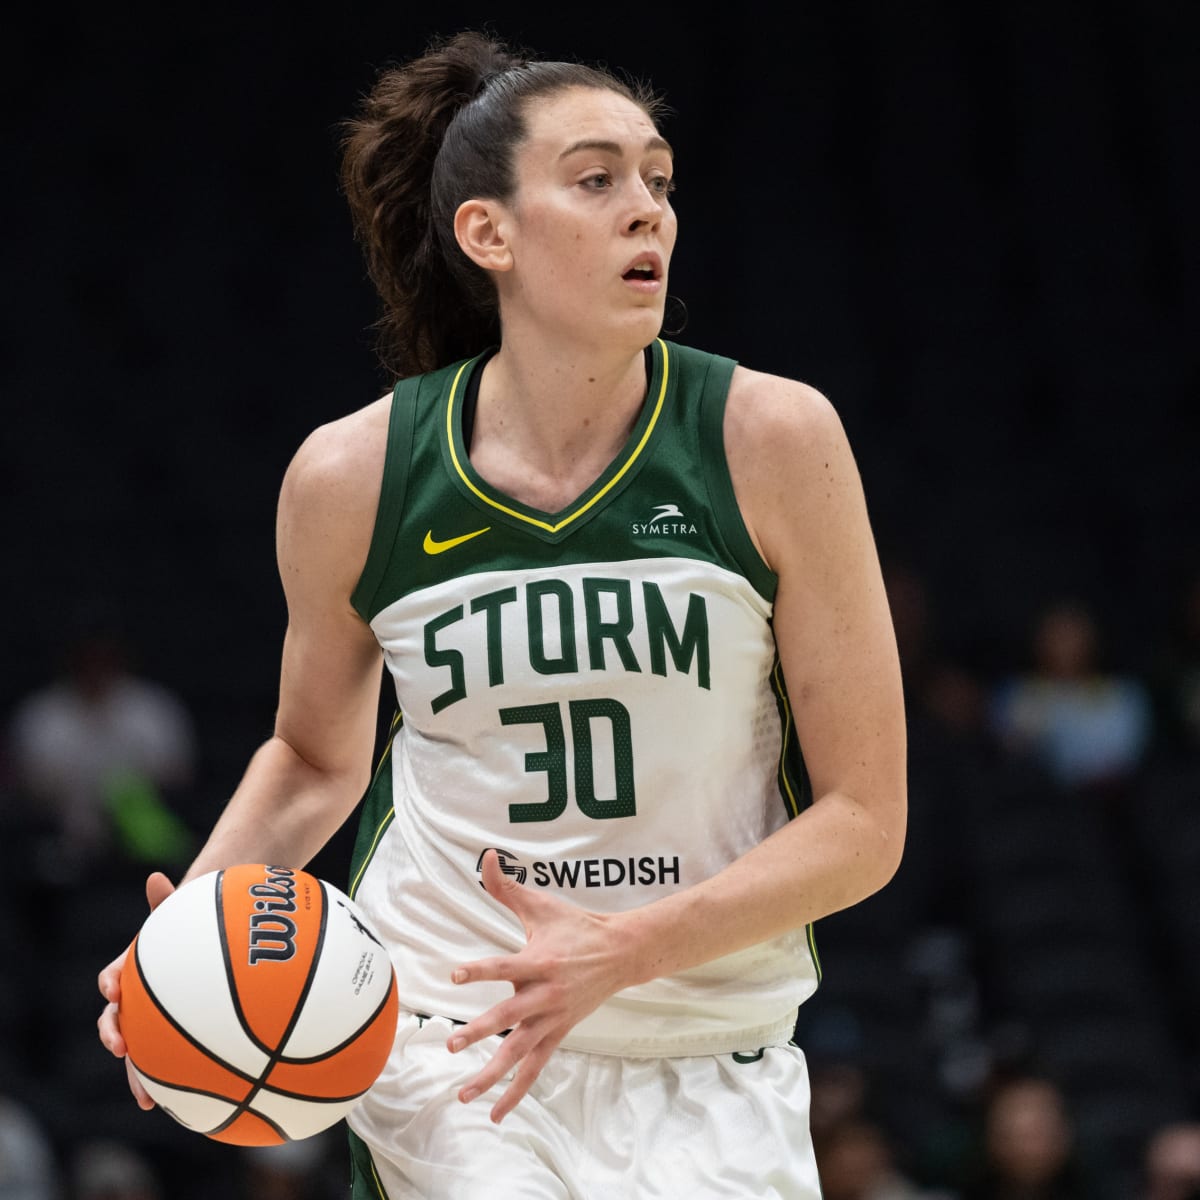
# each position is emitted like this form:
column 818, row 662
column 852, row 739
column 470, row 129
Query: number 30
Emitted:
column 553, row 760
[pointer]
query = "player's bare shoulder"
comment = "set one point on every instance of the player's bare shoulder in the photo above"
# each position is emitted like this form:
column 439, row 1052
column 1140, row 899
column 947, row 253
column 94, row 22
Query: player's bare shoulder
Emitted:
column 787, row 450
column 331, row 489
column 772, row 416
column 343, row 456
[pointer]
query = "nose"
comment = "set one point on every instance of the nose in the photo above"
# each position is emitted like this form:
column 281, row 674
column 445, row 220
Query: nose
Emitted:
column 647, row 208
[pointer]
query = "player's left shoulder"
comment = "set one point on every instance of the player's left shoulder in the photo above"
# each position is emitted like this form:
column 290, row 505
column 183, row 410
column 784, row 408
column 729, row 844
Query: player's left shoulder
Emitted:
column 771, row 419
column 792, row 468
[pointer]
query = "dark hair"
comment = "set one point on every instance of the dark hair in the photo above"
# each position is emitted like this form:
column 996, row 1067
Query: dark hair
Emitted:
column 430, row 134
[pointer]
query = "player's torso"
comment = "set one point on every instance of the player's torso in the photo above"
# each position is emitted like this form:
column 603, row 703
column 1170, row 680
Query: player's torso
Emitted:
column 592, row 692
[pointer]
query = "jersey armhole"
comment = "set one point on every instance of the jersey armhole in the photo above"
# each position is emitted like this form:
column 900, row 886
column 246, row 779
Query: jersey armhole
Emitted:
column 730, row 525
column 401, row 423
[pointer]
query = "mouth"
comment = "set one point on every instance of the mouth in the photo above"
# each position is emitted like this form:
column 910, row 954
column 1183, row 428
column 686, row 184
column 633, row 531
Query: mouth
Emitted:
column 646, row 269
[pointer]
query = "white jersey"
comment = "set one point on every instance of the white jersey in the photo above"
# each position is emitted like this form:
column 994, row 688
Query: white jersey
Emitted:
column 594, row 693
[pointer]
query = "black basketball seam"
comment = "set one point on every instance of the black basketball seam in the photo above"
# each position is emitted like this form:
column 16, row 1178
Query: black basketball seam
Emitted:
column 271, row 1089
column 275, row 1055
column 187, row 1037
column 283, row 1134
column 195, row 1091
column 183, row 1087
column 316, row 1058
column 230, row 978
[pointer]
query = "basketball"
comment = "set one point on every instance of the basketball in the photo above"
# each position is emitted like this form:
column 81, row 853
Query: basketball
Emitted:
column 257, row 1005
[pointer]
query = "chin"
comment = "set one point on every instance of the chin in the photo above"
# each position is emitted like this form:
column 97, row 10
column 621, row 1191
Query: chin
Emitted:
column 646, row 325
column 632, row 330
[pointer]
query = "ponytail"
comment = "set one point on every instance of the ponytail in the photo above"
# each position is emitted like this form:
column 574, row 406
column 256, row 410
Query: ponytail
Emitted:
column 388, row 153
column 430, row 134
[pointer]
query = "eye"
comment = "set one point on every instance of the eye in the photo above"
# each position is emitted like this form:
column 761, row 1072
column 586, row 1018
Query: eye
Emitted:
column 597, row 182
column 661, row 185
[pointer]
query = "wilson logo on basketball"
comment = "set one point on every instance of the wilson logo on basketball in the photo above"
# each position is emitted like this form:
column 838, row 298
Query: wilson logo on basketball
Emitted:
column 272, row 933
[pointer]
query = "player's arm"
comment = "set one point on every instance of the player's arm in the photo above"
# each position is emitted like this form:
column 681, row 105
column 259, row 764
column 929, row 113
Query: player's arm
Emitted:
column 800, row 492
column 304, row 781
column 802, row 498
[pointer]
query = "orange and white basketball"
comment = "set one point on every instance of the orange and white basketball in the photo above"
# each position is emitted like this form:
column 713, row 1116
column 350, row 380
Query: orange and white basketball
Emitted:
column 257, row 1005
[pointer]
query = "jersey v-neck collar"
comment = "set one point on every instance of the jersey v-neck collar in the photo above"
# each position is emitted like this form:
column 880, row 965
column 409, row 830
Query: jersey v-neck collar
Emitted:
column 554, row 526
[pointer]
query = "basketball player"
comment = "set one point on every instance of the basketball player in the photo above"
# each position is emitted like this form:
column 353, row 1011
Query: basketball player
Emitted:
column 650, row 721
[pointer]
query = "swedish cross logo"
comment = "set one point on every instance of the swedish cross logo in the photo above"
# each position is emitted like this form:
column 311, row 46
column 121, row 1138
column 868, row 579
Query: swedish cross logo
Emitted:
column 509, row 864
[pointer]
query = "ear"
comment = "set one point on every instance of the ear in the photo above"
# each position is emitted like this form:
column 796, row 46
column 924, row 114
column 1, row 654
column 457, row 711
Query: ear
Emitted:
column 480, row 228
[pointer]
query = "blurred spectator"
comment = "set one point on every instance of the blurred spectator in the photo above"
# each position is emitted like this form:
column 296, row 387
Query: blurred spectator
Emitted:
column 857, row 1162
column 944, row 698
column 1029, row 1149
column 97, row 753
column 1089, row 727
column 838, row 1094
column 314, row 1168
column 109, row 1170
column 1171, row 1168
column 933, row 681
column 949, row 750
column 27, row 1167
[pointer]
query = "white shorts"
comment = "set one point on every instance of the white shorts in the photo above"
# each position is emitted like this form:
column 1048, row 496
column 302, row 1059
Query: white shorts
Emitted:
column 593, row 1127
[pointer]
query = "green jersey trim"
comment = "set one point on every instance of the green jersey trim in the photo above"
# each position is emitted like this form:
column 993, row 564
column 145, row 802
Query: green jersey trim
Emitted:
column 794, row 783
column 793, row 779
column 378, row 811
column 811, row 931
column 730, row 523
column 393, row 490
column 466, row 474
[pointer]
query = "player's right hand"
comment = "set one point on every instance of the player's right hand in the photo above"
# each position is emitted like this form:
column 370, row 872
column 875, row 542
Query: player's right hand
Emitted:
column 158, row 888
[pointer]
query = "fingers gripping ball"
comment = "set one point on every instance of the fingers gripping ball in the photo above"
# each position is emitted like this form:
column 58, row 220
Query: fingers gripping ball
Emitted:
column 257, row 1005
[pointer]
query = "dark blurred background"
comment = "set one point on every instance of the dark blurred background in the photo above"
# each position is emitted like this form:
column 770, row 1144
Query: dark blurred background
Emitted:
column 974, row 227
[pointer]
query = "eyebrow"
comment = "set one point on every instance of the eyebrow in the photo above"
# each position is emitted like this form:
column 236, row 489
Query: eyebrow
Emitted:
column 607, row 147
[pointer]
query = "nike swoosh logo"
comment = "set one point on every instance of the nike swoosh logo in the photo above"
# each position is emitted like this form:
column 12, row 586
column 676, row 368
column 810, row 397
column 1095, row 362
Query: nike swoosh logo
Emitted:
column 432, row 547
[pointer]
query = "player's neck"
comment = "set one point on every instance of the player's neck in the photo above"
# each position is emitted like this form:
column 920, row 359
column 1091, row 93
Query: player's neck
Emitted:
column 562, row 408
column 547, row 428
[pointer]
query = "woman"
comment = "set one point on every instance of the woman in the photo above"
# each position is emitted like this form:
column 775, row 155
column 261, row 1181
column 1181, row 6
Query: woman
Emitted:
column 1029, row 1149
column 591, row 558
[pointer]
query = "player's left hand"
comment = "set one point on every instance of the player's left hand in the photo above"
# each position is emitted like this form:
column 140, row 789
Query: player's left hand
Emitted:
column 573, row 960
column 158, row 888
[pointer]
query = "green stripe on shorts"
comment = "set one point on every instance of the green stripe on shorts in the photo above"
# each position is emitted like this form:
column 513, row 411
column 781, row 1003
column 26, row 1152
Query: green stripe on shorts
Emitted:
column 364, row 1180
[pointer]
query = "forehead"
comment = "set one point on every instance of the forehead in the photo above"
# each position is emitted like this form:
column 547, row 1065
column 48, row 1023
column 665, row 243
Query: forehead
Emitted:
column 582, row 114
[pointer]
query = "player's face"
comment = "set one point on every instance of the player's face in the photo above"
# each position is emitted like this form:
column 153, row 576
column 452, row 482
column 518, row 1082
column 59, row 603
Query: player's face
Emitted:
column 592, row 227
